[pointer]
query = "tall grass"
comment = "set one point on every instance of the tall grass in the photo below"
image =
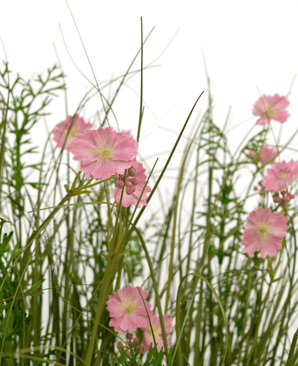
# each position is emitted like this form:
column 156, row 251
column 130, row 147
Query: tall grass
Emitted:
column 62, row 230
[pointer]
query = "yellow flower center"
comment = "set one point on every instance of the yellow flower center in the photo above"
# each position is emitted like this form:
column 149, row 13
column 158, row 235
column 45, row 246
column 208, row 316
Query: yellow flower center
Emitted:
column 263, row 229
column 105, row 152
column 73, row 132
column 155, row 329
column 282, row 173
column 270, row 110
column 129, row 307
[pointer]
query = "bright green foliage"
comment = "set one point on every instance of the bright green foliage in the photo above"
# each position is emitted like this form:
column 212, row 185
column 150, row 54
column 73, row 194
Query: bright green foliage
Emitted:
column 153, row 357
column 13, row 319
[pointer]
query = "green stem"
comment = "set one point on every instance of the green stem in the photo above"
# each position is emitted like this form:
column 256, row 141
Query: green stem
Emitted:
column 104, row 291
column 34, row 235
column 258, row 324
column 285, row 210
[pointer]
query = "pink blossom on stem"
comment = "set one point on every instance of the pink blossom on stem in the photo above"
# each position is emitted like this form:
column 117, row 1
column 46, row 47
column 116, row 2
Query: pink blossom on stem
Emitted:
column 134, row 184
column 271, row 107
column 264, row 156
column 61, row 131
column 104, row 152
column 281, row 176
column 127, row 309
column 148, row 337
column 265, row 230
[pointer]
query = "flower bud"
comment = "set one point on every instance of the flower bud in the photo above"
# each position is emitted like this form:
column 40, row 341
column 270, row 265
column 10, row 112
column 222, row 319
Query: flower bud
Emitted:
column 135, row 181
column 131, row 171
column 119, row 184
column 129, row 336
column 130, row 189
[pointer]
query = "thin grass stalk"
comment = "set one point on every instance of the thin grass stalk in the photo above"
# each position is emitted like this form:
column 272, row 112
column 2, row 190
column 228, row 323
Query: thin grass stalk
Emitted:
column 178, row 320
column 3, row 125
column 175, row 219
column 141, row 113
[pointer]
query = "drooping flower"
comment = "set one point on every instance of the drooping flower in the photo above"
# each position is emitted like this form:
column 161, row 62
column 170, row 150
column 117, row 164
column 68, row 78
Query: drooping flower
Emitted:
column 148, row 337
column 264, row 156
column 104, row 152
column 281, row 176
column 134, row 183
column 271, row 107
column 264, row 232
column 127, row 309
column 61, row 131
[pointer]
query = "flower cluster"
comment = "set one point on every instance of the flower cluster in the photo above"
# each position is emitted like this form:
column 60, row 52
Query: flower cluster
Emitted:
column 265, row 229
column 134, row 183
column 128, row 312
column 105, row 153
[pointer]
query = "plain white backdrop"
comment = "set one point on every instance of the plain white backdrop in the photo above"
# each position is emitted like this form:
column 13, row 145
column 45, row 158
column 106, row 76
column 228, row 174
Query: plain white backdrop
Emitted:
column 246, row 45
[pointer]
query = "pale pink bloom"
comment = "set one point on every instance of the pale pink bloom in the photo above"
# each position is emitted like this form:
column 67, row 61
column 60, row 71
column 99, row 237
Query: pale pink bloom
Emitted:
column 265, row 230
column 61, row 131
column 134, row 184
column 281, row 176
column 127, row 309
column 271, row 107
column 148, row 337
column 104, row 152
column 265, row 155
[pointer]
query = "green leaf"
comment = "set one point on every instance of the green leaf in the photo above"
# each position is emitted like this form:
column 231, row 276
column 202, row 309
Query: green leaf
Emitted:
column 37, row 284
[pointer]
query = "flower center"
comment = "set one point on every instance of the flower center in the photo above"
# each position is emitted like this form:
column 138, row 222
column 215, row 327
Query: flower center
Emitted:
column 263, row 229
column 282, row 173
column 105, row 152
column 270, row 110
column 154, row 330
column 73, row 132
column 129, row 308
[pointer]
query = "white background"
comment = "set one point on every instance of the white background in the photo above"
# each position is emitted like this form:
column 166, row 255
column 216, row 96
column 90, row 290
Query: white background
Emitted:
column 246, row 45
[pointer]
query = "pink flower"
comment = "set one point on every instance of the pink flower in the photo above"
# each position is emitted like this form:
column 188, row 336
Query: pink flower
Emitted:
column 269, row 107
column 265, row 230
column 61, row 130
column 148, row 337
column 104, row 152
column 281, row 176
column 127, row 309
column 265, row 155
column 134, row 184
